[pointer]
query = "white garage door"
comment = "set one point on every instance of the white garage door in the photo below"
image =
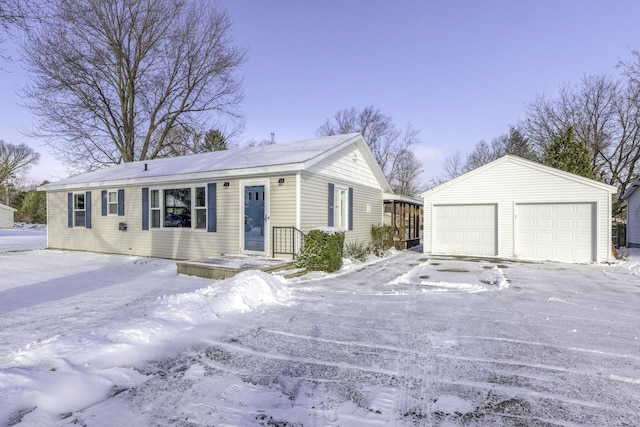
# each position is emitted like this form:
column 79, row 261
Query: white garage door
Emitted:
column 555, row 231
column 464, row 229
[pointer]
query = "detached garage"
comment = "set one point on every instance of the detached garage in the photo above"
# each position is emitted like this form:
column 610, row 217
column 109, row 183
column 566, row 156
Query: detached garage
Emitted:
column 515, row 208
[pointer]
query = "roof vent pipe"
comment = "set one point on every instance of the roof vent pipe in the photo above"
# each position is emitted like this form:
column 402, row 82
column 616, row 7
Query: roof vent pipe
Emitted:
column 273, row 137
column 145, row 167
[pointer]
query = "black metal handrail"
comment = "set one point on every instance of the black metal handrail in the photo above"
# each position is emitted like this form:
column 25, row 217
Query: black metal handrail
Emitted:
column 286, row 241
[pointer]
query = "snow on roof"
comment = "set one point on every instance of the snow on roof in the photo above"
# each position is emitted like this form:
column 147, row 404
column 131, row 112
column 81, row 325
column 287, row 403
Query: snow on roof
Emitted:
column 631, row 189
column 291, row 155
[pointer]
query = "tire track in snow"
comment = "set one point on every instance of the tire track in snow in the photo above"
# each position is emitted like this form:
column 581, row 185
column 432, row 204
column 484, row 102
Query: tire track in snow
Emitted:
column 416, row 370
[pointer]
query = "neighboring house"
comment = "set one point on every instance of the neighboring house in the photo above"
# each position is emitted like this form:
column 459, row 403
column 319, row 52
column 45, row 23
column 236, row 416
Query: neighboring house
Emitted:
column 515, row 208
column 225, row 202
column 633, row 214
column 6, row 216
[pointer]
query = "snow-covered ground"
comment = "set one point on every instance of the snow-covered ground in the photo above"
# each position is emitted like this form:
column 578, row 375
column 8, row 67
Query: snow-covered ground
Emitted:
column 103, row 340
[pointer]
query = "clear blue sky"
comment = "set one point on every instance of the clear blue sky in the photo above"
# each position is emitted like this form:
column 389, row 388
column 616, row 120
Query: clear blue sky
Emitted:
column 459, row 71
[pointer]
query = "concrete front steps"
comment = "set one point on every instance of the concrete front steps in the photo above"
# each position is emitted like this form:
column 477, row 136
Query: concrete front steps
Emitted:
column 225, row 266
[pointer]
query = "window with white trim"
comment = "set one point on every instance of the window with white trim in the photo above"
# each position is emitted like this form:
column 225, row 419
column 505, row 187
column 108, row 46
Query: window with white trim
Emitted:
column 341, row 207
column 154, row 208
column 79, row 212
column 179, row 208
column 201, row 208
column 112, row 202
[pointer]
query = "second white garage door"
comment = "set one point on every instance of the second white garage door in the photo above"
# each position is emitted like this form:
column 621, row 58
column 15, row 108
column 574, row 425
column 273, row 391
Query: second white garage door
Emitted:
column 555, row 231
column 464, row 229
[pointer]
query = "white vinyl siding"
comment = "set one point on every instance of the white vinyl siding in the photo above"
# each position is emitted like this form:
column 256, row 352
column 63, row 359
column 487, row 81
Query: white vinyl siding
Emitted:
column 282, row 205
column 175, row 243
column 367, row 206
column 555, row 231
column 6, row 216
column 465, row 229
column 510, row 181
column 348, row 166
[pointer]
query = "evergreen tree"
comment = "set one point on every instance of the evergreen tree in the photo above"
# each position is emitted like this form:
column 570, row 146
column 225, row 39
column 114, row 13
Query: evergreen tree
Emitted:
column 517, row 144
column 34, row 207
column 568, row 154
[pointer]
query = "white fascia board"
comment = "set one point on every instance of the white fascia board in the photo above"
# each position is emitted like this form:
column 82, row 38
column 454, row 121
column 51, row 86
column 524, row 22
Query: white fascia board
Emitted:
column 181, row 178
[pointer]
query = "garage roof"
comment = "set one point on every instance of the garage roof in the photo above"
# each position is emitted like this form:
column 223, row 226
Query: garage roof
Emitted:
column 526, row 163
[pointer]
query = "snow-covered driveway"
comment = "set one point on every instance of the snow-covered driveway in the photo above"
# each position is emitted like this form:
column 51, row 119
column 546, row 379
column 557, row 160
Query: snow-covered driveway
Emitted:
column 408, row 341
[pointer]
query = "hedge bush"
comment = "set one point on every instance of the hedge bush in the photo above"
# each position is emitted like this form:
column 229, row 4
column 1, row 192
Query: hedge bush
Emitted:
column 382, row 238
column 323, row 250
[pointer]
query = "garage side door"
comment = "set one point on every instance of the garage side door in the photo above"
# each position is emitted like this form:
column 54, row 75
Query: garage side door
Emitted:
column 465, row 230
column 555, row 231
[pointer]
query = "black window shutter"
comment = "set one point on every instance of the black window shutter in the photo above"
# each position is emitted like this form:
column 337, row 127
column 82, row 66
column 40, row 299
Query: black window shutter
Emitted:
column 350, row 208
column 120, row 202
column 103, row 196
column 212, row 215
column 70, row 210
column 145, row 208
column 87, row 209
column 331, row 204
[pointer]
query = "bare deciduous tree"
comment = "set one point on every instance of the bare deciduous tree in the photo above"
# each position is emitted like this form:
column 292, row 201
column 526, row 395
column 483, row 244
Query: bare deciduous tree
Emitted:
column 112, row 79
column 405, row 181
column 454, row 165
column 15, row 160
column 388, row 144
column 605, row 115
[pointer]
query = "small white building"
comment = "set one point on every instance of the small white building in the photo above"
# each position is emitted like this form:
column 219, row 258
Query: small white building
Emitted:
column 6, row 216
column 253, row 201
column 515, row 208
column 633, row 214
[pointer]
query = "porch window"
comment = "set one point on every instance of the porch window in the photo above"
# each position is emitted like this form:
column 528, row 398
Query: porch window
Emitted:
column 79, row 211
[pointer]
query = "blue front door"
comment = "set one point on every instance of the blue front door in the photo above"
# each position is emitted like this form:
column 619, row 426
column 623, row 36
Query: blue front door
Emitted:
column 254, row 218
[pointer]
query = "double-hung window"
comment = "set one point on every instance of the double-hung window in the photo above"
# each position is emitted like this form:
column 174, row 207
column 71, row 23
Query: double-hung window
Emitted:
column 201, row 208
column 341, row 208
column 154, row 208
column 79, row 210
column 112, row 203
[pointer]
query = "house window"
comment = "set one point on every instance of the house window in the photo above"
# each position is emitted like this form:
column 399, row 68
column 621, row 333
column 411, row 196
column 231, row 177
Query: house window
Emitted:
column 154, row 207
column 79, row 213
column 191, row 207
column 201, row 208
column 177, row 207
column 112, row 202
column 341, row 208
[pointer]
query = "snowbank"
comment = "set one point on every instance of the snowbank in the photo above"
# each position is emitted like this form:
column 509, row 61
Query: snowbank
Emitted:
column 66, row 373
column 239, row 294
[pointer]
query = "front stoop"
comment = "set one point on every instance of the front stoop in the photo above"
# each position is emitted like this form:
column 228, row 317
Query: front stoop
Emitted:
column 223, row 267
